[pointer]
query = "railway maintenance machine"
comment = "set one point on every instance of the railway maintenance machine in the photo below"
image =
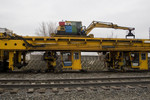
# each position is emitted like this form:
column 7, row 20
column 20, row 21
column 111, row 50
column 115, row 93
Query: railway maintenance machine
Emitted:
column 63, row 49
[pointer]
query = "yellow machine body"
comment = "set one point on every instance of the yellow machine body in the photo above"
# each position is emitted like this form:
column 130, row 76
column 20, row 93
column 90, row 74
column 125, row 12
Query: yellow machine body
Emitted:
column 11, row 60
column 119, row 50
column 61, row 28
column 130, row 60
column 72, row 44
column 50, row 58
column 71, row 60
column 139, row 60
column 1, row 55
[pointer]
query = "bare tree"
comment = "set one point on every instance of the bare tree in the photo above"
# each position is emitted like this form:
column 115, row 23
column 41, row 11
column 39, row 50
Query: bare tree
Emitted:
column 46, row 29
column 51, row 28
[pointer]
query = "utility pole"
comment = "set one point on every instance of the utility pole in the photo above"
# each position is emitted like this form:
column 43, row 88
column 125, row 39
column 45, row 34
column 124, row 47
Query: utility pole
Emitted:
column 149, row 32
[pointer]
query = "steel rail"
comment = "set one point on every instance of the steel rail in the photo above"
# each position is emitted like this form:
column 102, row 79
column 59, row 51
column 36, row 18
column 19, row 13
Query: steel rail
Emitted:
column 90, row 82
column 72, row 84
column 78, row 79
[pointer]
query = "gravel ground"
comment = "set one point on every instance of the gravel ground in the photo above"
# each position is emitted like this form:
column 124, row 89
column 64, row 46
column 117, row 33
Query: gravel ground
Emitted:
column 87, row 94
column 70, row 75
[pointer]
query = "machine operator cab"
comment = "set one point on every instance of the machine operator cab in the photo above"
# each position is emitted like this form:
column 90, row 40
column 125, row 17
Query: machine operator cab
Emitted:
column 139, row 60
column 127, row 60
column 71, row 59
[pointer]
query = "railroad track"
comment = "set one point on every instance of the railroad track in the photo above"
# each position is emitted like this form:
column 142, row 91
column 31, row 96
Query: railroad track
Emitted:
column 65, row 71
column 78, row 82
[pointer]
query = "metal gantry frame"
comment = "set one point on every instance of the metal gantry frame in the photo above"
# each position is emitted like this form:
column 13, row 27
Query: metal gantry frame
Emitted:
column 14, row 48
column 18, row 46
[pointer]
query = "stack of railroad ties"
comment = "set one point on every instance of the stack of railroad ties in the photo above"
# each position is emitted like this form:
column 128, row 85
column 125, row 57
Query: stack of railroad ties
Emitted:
column 70, row 40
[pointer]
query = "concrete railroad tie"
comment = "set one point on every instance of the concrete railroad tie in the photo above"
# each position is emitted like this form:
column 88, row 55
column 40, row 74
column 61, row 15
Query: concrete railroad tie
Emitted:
column 13, row 91
column 79, row 89
column 142, row 86
column 130, row 87
column 1, row 90
column 55, row 90
column 33, row 83
column 9, row 83
column 66, row 89
column 31, row 90
column 41, row 90
column 115, row 87
column 93, row 88
column 43, row 83
column 105, row 87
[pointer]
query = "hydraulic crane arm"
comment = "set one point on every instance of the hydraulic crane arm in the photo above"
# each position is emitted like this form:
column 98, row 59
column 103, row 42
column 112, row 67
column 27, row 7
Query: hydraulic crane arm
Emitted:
column 99, row 24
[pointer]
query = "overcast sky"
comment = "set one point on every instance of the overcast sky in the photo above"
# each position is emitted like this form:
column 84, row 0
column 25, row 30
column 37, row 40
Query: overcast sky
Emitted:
column 24, row 16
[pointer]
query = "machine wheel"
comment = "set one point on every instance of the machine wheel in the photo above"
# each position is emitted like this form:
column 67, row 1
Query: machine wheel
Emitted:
column 109, row 68
column 123, row 69
column 82, row 70
column 3, row 66
column 50, row 68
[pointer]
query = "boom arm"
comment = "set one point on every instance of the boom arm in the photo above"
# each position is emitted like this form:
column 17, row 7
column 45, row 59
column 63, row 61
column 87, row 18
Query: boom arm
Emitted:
column 99, row 24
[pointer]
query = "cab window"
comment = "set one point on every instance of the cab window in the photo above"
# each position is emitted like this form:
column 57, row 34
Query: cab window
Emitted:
column 76, row 55
column 143, row 56
column 67, row 56
column 135, row 59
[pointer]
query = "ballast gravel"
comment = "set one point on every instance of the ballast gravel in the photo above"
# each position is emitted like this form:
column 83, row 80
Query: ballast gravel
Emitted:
column 87, row 93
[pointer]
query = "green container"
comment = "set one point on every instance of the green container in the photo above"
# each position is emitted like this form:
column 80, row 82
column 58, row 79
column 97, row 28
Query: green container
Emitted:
column 74, row 29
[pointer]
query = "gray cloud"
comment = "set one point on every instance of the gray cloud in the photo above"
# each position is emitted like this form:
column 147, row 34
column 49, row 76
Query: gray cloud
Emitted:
column 24, row 16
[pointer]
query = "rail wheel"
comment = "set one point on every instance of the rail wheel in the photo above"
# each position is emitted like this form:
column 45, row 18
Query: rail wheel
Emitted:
column 3, row 66
column 82, row 70
column 50, row 68
column 123, row 69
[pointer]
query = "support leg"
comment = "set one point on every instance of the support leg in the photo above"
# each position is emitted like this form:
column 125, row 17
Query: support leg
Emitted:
column 24, row 59
column 11, row 60
column 19, row 57
column 18, row 60
column 1, row 55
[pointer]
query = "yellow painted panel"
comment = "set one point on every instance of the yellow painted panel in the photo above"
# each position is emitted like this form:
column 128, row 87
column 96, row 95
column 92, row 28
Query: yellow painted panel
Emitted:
column 11, row 60
column 76, row 56
column 143, row 61
column 12, row 45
